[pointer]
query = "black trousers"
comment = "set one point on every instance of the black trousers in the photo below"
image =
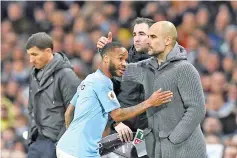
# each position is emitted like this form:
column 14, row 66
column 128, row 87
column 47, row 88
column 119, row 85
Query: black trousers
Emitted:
column 42, row 148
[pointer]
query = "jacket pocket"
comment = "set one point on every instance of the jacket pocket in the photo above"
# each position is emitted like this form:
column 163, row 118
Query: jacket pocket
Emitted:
column 165, row 134
column 177, row 143
column 176, row 140
column 150, row 142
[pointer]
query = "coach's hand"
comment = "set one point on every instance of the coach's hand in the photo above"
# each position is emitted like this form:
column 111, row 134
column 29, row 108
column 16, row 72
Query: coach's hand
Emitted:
column 125, row 133
column 104, row 40
column 160, row 97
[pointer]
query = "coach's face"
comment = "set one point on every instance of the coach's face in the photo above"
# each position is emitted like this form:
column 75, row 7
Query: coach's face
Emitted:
column 140, row 37
column 156, row 40
column 39, row 58
column 117, row 62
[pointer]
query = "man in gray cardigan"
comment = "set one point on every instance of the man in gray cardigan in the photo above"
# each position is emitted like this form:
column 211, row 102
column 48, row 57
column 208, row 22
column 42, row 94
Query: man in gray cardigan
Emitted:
column 174, row 128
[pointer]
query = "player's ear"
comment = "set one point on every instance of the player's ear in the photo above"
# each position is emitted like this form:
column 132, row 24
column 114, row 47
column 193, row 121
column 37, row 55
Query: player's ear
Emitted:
column 106, row 58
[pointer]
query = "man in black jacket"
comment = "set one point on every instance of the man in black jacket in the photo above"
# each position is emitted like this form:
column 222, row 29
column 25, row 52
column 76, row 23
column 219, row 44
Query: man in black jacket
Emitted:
column 131, row 93
column 52, row 85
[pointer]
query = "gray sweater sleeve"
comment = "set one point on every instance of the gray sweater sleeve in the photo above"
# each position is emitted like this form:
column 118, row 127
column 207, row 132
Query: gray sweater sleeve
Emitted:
column 134, row 72
column 190, row 89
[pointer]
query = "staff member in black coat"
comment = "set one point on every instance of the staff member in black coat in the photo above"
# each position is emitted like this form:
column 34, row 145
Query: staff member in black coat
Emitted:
column 131, row 93
column 52, row 85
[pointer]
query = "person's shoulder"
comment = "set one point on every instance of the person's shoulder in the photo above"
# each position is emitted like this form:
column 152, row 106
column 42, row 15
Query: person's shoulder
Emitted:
column 102, row 84
column 65, row 71
column 184, row 63
column 185, row 66
column 99, row 80
column 67, row 74
column 143, row 63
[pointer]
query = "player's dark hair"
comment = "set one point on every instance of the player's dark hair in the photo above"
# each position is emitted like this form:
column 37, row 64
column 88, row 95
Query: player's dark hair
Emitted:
column 109, row 47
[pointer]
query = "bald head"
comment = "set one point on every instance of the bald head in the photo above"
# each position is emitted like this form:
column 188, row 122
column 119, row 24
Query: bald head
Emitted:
column 162, row 38
column 165, row 28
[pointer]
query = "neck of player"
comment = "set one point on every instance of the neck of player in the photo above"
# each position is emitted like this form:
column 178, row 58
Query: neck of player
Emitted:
column 105, row 70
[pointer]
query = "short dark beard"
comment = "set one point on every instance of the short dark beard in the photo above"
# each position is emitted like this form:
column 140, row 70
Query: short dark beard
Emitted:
column 112, row 69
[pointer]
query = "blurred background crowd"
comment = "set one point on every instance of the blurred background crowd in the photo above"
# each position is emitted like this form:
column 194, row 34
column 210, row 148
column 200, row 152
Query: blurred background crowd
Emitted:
column 208, row 30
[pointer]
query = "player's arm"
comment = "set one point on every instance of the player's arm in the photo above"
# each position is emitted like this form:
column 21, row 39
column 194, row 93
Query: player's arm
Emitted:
column 32, row 124
column 108, row 99
column 70, row 110
column 69, row 114
column 159, row 97
column 134, row 72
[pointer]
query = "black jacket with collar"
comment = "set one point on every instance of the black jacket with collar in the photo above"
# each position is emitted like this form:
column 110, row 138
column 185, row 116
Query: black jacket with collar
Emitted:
column 49, row 98
column 131, row 93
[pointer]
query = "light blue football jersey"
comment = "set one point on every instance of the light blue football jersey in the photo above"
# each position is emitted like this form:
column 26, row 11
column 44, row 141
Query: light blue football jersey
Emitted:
column 93, row 101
